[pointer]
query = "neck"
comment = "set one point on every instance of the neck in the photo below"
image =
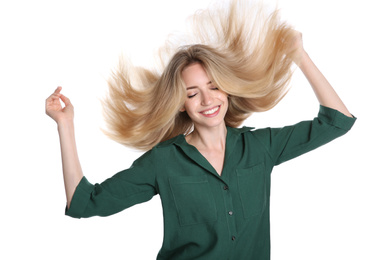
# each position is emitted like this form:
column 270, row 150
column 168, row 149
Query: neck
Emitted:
column 208, row 138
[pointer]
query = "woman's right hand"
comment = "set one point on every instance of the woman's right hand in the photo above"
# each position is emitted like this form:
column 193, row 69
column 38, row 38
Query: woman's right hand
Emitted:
column 55, row 110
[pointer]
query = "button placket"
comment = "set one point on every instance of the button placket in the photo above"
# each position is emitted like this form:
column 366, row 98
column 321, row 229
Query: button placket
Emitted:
column 231, row 221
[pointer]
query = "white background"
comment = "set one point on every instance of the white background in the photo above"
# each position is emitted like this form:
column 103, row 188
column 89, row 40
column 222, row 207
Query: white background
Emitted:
column 332, row 203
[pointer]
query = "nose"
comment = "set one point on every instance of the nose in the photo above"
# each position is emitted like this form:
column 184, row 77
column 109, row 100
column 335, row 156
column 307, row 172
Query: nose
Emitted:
column 207, row 98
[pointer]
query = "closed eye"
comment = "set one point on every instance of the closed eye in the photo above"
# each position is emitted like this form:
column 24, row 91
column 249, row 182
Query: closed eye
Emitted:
column 212, row 85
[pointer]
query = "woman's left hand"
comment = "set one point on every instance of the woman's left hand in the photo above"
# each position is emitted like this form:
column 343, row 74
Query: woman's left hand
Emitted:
column 297, row 47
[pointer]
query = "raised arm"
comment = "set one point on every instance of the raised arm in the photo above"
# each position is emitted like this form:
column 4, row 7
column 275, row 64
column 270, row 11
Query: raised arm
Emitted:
column 325, row 93
column 63, row 116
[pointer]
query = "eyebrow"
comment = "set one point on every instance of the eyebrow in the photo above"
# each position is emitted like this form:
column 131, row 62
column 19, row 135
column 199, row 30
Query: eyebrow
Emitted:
column 192, row 87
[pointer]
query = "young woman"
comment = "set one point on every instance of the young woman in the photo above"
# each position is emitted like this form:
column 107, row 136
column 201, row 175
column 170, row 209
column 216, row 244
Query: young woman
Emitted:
column 213, row 178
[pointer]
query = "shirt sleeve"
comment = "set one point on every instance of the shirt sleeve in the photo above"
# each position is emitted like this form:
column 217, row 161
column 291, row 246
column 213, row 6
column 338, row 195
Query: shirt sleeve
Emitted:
column 292, row 141
column 125, row 189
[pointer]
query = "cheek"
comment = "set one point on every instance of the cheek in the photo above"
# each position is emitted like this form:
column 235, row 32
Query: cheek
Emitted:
column 188, row 105
column 223, row 96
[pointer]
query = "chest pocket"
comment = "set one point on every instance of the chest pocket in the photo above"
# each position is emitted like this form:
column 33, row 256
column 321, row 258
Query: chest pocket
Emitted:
column 193, row 199
column 252, row 189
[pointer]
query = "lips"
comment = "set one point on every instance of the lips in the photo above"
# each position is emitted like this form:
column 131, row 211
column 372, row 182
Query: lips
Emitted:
column 211, row 112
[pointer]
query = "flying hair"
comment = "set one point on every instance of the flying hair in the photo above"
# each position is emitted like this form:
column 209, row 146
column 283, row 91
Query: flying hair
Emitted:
column 246, row 52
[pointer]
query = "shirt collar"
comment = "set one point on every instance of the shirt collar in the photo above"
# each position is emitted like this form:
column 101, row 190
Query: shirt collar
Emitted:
column 233, row 135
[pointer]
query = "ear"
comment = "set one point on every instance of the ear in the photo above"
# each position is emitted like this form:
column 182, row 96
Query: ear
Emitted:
column 182, row 109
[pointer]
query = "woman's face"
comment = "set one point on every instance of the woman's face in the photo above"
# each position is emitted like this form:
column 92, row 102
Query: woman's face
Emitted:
column 206, row 105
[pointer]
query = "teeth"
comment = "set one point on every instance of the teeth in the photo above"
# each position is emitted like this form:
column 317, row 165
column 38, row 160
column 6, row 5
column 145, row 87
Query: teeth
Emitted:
column 211, row 111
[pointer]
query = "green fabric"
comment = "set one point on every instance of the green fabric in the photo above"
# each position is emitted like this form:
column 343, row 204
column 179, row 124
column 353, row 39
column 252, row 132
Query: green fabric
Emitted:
column 207, row 216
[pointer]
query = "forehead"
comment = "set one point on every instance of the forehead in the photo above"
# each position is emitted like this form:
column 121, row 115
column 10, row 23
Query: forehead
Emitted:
column 195, row 74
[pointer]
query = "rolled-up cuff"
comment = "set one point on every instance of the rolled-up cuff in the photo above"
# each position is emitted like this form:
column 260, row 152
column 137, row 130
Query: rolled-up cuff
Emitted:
column 336, row 118
column 80, row 199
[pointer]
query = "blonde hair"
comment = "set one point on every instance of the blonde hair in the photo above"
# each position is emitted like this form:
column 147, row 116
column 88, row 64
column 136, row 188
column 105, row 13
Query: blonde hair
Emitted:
column 245, row 52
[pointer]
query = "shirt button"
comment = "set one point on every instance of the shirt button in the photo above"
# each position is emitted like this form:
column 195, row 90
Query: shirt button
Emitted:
column 225, row 187
column 230, row 213
column 233, row 238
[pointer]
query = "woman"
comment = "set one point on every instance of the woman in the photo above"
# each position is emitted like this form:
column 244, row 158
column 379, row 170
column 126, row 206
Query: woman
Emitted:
column 213, row 178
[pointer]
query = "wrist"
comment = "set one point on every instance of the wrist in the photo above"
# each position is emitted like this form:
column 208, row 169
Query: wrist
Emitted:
column 65, row 123
column 304, row 59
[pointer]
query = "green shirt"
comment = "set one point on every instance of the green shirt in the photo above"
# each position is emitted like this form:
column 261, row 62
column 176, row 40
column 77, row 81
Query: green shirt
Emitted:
column 207, row 216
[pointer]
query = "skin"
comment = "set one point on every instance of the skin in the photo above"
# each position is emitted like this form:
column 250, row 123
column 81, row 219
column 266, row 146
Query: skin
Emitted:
column 64, row 116
column 209, row 135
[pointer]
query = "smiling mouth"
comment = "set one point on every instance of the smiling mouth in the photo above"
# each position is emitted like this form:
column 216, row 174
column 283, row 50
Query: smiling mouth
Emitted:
column 210, row 112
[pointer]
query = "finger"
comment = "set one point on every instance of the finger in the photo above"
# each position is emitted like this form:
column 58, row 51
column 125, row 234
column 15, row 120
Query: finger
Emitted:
column 55, row 95
column 65, row 100
column 58, row 90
